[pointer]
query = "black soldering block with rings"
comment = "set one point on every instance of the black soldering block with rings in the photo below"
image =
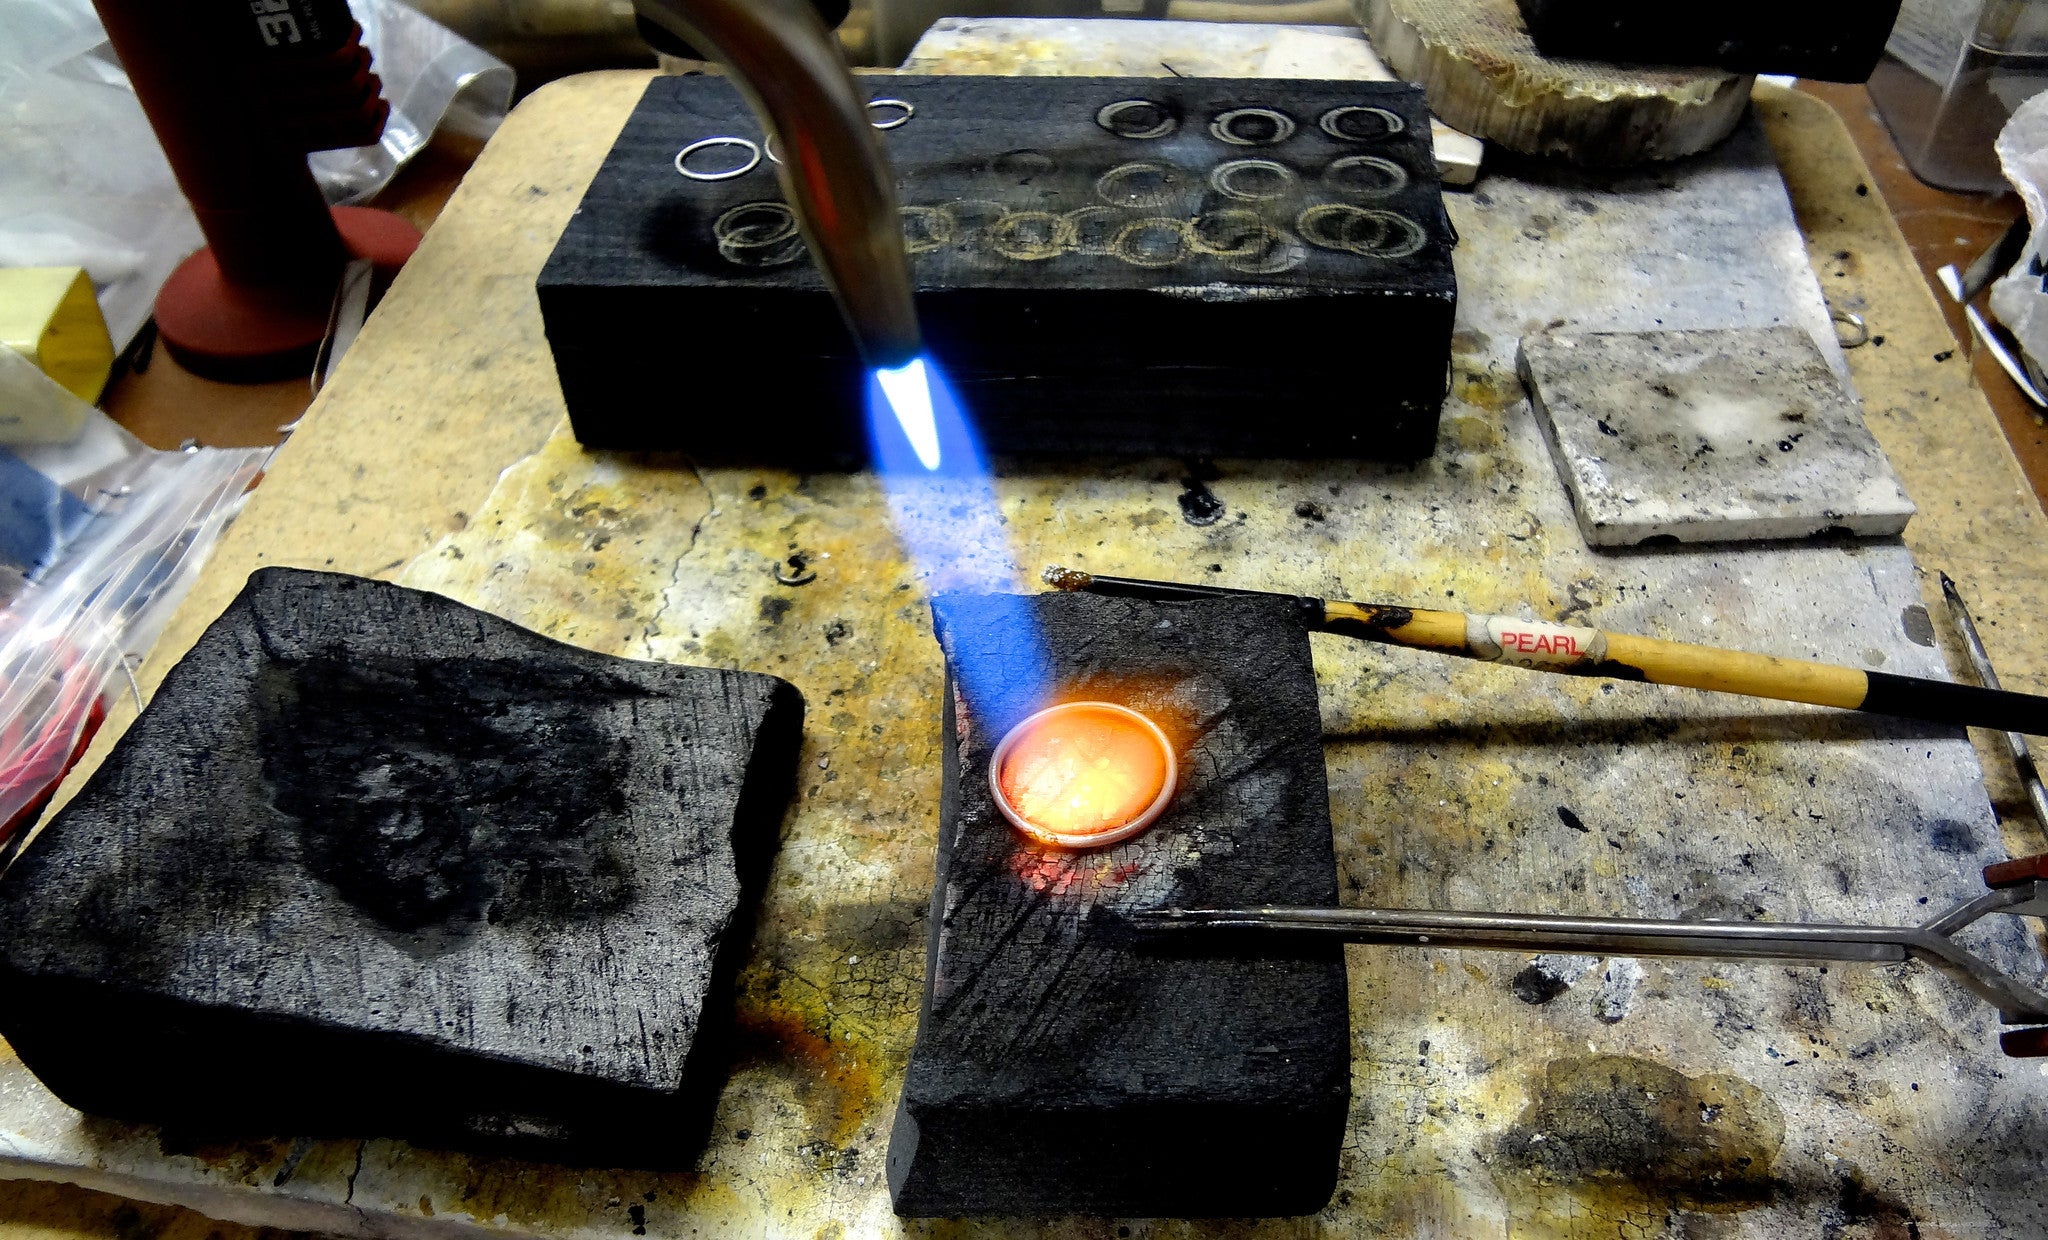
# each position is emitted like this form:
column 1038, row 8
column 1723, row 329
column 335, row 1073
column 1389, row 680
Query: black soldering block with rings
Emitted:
column 376, row 864
column 1063, row 1065
column 1103, row 266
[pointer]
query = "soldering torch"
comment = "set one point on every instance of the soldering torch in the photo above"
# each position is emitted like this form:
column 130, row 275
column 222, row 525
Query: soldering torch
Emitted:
column 833, row 171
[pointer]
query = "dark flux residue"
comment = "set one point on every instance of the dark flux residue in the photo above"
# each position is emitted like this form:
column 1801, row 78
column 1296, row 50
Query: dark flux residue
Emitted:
column 1198, row 504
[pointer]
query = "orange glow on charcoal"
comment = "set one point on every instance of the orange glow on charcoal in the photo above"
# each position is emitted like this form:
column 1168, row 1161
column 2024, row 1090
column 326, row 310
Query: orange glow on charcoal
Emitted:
column 1083, row 774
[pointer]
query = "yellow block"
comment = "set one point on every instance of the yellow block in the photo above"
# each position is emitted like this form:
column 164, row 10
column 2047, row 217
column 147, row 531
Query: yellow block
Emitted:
column 50, row 316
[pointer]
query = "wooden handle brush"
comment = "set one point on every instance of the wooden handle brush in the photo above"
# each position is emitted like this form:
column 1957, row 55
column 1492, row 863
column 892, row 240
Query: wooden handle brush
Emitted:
column 1575, row 651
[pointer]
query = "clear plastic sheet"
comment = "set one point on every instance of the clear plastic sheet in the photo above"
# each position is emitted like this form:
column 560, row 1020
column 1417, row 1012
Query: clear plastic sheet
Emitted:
column 433, row 78
column 100, row 537
column 84, row 184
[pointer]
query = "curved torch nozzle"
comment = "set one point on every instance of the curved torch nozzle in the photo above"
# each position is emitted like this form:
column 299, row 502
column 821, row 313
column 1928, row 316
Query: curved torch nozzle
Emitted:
column 833, row 169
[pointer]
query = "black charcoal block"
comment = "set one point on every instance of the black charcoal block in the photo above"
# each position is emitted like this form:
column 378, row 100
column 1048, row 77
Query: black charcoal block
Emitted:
column 1267, row 274
column 1830, row 42
column 1061, row 1067
column 374, row 863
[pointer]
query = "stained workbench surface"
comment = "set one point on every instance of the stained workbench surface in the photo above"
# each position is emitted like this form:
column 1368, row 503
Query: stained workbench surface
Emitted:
column 1873, row 1092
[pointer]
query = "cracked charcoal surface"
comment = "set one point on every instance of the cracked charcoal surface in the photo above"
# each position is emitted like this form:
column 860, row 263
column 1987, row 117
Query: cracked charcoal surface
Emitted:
column 1060, row 1068
column 494, row 885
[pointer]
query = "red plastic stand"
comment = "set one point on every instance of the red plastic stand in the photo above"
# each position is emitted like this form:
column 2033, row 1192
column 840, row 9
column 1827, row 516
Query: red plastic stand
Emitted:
column 251, row 333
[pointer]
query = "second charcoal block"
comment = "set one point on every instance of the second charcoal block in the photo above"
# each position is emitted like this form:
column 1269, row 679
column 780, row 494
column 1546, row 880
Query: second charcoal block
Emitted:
column 1061, row 1068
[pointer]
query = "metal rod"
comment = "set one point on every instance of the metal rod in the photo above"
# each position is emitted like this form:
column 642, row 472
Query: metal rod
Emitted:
column 1621, row 936
column 1980, row 662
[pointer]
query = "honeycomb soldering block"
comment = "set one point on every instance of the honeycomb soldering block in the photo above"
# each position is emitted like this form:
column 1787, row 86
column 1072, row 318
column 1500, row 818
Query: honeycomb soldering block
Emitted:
column 1102, row 265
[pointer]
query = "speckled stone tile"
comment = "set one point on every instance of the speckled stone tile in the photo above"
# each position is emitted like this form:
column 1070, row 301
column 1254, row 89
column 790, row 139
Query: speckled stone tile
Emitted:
column 1733, row 434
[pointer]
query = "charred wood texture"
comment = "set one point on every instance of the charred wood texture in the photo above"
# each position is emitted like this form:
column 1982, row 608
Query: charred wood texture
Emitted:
column 373, row 863
column 1061, row 1067
column 1103, row 265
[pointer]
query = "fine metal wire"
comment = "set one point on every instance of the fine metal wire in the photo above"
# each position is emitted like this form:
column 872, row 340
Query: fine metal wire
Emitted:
column 705, row 144
column 1980, row 662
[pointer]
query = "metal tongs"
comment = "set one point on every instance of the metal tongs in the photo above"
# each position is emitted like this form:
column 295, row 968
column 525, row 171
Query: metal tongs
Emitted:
column 2017, row 887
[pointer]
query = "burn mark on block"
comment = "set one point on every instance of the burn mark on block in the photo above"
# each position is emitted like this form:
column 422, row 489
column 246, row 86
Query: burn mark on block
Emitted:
column 1610, row 1136
column 448, row 879
column 1061, row 1068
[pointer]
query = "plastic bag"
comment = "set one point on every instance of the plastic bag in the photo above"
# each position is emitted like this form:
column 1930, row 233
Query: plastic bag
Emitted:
column 2020, row 297
column 100, row 538
column 86, row 185
column 433, row 78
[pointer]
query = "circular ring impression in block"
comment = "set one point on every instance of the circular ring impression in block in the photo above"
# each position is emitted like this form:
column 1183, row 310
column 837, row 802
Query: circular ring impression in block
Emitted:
column 1366, row 176
column 758, row 234
column 1083, row 774
column 1153, row 242
column 1357, row 230
column 1095, row 229
column 1252, row 127
column 1031, row 236
column 1357, row 123
column 927, row 228
column 1231, row 233
column 1137, row 118
column 1254, row 180
column 1140, row 184
column 748, row 145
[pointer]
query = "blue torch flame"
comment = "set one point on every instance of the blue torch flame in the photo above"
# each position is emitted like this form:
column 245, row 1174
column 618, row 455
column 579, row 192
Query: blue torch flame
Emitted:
column 951, row 527
column 907, row 390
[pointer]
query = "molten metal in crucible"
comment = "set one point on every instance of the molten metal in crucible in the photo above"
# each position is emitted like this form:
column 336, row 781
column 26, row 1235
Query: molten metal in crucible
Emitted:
column 1083, row 774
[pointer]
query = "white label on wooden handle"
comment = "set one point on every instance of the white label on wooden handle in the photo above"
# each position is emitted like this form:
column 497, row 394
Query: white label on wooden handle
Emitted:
column 1532, row 643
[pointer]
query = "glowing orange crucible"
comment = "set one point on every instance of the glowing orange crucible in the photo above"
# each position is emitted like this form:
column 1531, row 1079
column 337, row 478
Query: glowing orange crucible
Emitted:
column 1083, row 774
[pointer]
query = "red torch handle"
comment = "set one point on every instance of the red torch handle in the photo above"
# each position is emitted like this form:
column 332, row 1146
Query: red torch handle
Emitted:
column 238, row 91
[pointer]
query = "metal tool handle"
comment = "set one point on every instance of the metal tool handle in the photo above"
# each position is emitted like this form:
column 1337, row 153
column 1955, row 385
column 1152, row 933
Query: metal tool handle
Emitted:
column 1580, row 651
column 1574, row 650
column 1929, row 943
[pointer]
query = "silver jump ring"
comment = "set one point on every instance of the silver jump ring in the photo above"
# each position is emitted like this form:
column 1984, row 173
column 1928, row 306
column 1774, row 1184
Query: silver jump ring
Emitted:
column 753, row 158
column 908, row 109
column 973, row 218
column 1333, row 121
column 1851, row 332
column 769, row 146
column 1224, row 127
